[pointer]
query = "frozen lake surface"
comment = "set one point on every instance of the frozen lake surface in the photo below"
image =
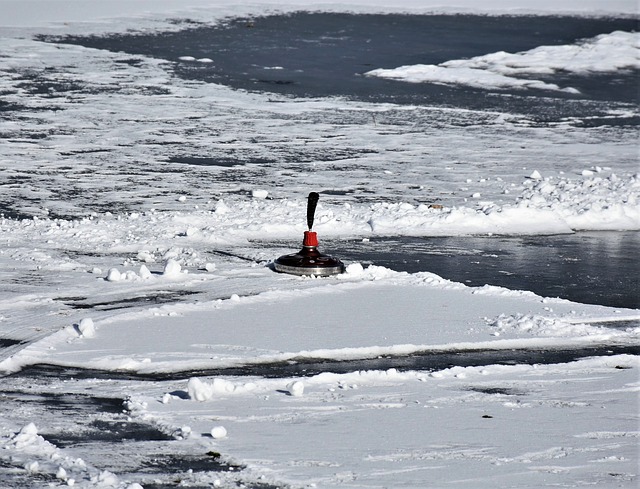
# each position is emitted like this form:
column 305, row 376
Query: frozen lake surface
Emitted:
column 478, row 175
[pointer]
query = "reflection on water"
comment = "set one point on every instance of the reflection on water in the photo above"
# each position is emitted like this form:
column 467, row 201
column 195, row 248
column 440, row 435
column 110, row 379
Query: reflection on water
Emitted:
column 594, row 268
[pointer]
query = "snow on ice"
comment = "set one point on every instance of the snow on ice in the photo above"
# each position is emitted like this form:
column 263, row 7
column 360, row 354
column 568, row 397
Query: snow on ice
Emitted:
column 138, row 292
column 374, row 312
column 41, row 457
column 419, row 424
column 604, row 53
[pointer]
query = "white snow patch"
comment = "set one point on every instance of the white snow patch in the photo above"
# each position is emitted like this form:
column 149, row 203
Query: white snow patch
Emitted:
column 218, row 432
column 296, row 388
column 604, row 53
column 114, row 275
column 87, row 328
column 172, row 269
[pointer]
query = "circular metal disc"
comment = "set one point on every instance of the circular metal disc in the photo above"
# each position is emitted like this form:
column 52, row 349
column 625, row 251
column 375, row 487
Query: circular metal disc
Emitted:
column 304, row 263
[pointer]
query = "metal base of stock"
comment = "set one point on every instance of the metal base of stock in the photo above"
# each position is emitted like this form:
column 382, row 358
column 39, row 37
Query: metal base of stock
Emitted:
column 309, row 261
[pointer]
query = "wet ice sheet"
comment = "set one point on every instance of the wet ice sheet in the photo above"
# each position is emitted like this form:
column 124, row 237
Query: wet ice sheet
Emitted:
column 578, row 267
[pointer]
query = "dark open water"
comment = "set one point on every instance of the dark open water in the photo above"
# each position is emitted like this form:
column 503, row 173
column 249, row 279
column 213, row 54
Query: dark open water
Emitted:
column 326, row 54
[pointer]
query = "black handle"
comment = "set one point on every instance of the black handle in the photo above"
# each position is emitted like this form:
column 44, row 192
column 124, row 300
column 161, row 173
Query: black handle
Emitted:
column 311, row 208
